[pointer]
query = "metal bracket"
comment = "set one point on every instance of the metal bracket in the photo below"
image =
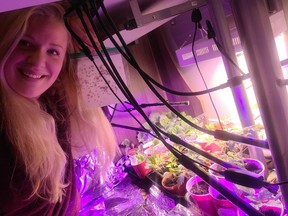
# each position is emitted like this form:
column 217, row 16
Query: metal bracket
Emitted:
column 145, row 18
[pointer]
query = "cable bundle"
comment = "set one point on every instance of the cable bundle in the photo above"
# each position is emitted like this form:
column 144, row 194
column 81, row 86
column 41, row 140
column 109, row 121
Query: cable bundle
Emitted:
column 90, row 9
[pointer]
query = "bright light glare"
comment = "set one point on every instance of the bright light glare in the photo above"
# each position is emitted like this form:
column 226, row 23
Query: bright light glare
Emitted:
column 281, row 47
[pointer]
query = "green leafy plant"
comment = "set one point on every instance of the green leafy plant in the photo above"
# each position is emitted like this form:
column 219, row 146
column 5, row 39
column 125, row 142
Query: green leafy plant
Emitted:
column 139, row 154
column 134, row 152
column 169, row 122
column 234, row 152
column 156, row 161
column 263, row 200
column 176, row 179
column 179, row 173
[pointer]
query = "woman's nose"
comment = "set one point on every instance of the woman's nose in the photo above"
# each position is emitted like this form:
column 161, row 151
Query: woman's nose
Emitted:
column 37, row 58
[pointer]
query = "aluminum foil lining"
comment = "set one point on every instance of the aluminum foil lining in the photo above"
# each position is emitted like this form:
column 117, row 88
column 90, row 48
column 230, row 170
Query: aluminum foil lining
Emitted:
column 119, row 195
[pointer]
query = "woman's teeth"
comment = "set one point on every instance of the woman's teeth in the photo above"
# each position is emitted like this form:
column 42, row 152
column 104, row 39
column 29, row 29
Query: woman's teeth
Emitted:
column 34, row 76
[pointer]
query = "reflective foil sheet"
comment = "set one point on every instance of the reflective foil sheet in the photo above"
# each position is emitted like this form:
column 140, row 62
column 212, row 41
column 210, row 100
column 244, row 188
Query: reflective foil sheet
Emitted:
column 119, row 195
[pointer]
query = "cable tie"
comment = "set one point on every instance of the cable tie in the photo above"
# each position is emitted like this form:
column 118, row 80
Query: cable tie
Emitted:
column 282, row 82
column 234, row 81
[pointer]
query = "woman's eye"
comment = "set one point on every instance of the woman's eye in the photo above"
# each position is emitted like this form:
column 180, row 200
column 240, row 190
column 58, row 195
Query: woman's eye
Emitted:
column 53, row 52
column 24, row 43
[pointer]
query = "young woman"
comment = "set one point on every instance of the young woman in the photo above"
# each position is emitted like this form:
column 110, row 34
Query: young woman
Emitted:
column 42, row 119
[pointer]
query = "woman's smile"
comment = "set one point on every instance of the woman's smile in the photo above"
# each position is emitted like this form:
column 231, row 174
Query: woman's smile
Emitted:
column 37, row 60
column 32, row 76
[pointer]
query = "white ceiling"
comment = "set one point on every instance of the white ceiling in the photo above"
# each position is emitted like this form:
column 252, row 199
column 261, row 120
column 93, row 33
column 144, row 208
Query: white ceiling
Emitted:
column 17, row 4
column 122, row 10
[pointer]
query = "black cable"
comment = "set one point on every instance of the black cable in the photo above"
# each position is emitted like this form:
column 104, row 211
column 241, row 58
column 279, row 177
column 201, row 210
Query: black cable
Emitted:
column 219, row 134
column 160, row 98
column 90, row 37
column 203, row 153
column 145, row 105
column 222, row 189
column 85, row 49
column 130, row 96
column 236, row 175
column 233, row 173
column 195, row 126
column 211, row 34
column 142, row 74
column 247, row 208
column 196, row 18
column 279, row 183
column 115, row 75
column 79, row 13
column 225, row 85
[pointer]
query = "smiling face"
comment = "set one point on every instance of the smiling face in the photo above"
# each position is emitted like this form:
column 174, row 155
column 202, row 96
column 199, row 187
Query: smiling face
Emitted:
column 37, row 60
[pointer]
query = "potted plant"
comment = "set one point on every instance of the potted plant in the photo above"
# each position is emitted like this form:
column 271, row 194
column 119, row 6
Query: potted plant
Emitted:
column 176, row 176
column 209, row 143
column 198, row 192
column 253, row 165
column 157, row 162
column 125, row 146
column 171, row 123
column 175, row 183
column 138, row 161
column 266, row 202
column 220, row 202
column 250, row 164
column 236, row 153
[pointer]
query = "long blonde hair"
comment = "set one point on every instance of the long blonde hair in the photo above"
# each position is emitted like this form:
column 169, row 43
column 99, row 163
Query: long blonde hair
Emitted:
column 32, row 131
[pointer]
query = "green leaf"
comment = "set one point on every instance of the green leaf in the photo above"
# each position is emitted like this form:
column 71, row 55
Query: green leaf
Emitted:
column 164, row 121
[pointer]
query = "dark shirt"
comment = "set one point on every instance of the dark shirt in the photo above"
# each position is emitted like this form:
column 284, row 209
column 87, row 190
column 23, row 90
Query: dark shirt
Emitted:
column 15, row 189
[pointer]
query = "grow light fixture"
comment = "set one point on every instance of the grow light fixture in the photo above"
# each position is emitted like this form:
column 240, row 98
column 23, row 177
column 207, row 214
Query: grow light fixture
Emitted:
column 162, row 9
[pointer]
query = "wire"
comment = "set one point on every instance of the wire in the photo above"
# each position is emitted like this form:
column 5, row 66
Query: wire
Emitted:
column 125, row 89
column 145, row 105
column 132, row 61
column 182, row 157
column 143, row 75
column 190, row 164
column 128, row 94
column 211, row 34
column 221, row 134
column 205, row 154
column 279, row 183
column 196, row 18
column 88, row 52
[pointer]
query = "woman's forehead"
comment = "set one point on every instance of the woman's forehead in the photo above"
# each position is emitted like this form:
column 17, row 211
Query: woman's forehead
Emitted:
column 50, row 30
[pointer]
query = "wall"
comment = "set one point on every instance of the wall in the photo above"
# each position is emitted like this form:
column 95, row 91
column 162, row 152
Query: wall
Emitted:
column 141, row 51
column 152, row 57
column 189, row 78
column 214, row 74
column 171, row 76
